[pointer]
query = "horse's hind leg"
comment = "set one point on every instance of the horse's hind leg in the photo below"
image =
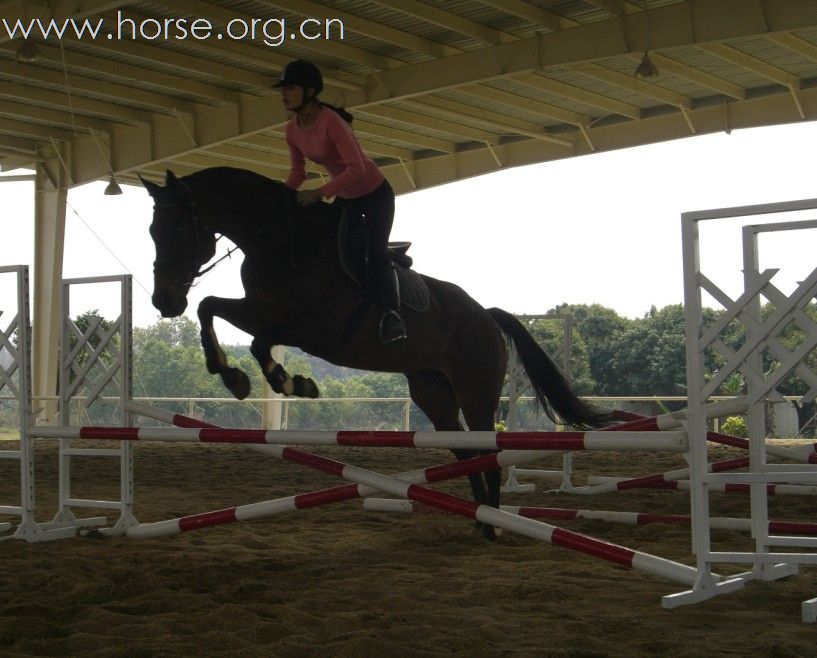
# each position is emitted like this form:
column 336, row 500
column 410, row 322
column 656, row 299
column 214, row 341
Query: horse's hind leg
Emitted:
column 477, row 386
column 433, row 394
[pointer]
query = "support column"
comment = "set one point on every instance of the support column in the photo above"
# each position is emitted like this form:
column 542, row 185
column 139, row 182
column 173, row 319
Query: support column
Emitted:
column 273, row 406
column 50, row 196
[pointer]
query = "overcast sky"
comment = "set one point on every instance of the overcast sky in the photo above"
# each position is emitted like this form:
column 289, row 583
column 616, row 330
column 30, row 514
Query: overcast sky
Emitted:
column 603, row 228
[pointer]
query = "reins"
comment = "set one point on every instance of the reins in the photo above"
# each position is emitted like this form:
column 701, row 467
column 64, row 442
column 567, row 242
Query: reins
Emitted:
column 197, row 224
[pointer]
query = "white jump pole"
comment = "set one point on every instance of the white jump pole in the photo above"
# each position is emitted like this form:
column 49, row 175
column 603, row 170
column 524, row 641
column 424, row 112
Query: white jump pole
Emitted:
column 591, row 441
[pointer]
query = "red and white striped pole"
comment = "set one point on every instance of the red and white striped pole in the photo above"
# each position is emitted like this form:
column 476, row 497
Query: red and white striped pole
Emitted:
column 628, row 518
column 722, row 487
column 477, row 440
column 645, row 562
column 330, row 495
column 312, row 499
column 675, row 420
column 657, row 479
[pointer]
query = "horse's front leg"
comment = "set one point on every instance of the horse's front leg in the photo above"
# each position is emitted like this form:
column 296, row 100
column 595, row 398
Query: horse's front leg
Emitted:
column 279, row 379
column 242, row 315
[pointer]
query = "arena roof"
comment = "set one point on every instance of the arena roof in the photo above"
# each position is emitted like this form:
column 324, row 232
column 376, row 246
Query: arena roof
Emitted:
column 441, row 89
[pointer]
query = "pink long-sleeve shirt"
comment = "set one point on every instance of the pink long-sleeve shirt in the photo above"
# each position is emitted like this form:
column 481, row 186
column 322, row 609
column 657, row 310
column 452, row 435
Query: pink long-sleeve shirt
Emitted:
column 331, row 143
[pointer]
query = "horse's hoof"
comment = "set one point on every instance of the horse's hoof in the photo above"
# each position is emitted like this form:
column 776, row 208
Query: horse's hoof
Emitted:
column 238, row 383
column 489, row 532
column 305, row 387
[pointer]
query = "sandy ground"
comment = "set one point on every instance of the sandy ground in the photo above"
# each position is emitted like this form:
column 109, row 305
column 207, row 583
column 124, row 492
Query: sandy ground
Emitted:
column 338, row 581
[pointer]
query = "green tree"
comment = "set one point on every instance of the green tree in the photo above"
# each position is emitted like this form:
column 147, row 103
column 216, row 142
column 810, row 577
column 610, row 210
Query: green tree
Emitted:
column 599, row 328
column 179, row 332
column 649, row 356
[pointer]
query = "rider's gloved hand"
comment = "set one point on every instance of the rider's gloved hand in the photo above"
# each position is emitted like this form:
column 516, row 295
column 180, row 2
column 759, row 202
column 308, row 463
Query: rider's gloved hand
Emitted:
column 308, row 197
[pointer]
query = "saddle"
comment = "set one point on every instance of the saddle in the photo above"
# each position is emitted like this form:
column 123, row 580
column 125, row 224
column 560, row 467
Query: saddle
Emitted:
column 353, row 249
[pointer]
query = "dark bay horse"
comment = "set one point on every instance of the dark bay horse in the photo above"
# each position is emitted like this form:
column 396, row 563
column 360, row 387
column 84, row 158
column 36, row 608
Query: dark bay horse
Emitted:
column 297, row 293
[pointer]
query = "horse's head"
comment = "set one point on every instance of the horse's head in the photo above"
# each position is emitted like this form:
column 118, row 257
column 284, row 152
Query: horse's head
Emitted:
column 183, row 244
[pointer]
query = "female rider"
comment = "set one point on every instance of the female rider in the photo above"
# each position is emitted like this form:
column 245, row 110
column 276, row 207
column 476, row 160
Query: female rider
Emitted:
column 321, row 133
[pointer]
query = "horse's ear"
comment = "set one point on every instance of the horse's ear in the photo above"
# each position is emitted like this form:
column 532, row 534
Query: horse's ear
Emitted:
column 170, row 177
column 152, row 188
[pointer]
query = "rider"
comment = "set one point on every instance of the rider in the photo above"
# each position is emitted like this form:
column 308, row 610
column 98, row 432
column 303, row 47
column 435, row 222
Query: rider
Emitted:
column 321, row 132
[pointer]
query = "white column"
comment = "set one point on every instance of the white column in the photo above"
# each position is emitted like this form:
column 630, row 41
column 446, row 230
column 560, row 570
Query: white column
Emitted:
column 272, row 407
column 49, row 237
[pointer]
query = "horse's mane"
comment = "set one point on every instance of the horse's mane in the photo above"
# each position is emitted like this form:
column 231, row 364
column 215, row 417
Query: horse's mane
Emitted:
column 229, row 180
column 262, row 199
column 221, row 175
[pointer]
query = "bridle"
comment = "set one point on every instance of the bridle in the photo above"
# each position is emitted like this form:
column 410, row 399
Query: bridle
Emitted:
column 197, row 227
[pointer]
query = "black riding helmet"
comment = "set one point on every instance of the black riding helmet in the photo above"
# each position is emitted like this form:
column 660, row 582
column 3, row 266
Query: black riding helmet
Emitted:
column 303, row 74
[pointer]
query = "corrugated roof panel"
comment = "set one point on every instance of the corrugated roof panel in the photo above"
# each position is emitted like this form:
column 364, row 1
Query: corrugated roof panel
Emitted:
column 598, row 86
column 540, row 96
column 714, row 65
column 405, row 22
column 777, row 55
column 664, row 80
column 148, row 63
column 520, row 113
column 431, row 112
column 415, row 128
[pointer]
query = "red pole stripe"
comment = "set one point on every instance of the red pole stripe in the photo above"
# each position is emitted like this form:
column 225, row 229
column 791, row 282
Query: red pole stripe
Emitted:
column 186, row 421
column 730, row 464
column 313, row 461
column 443, row 501
column 618, row 414
column 113, row 433
column 728, row 440
column 639, row 425
column 457, row 469
column 382, row 439
column 326, row 496
column 218, row 435
column 793, row 527
column 645, row 481
column 207, row 519
column 592, row 546
column 646, row 519
column 548, row 513
column 744, row 488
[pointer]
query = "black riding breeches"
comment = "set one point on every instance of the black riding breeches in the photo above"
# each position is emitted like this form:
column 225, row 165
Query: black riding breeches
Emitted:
column 377, row 210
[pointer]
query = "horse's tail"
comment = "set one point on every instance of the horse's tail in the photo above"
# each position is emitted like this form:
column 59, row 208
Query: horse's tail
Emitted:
column 551, row 387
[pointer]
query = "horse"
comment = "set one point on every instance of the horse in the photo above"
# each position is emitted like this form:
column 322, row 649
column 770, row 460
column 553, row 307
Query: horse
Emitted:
column 297, row 293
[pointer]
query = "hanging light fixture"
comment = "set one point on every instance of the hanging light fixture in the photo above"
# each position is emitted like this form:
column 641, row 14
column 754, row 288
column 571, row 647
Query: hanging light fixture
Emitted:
column 646, row 68
column 28, row 52
column 112, row 188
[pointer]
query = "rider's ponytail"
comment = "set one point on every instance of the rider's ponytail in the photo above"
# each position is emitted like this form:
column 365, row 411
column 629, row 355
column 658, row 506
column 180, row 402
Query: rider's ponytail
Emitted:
column 339, row 110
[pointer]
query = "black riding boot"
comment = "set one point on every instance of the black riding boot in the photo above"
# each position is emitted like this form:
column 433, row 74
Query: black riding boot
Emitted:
column 392, row 329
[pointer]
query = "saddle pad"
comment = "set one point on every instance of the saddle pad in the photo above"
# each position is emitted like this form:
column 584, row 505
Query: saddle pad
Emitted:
column 352, row 242
column 413, row 290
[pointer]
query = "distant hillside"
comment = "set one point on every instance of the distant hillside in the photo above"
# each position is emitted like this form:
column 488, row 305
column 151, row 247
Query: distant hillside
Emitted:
column 320, row 369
